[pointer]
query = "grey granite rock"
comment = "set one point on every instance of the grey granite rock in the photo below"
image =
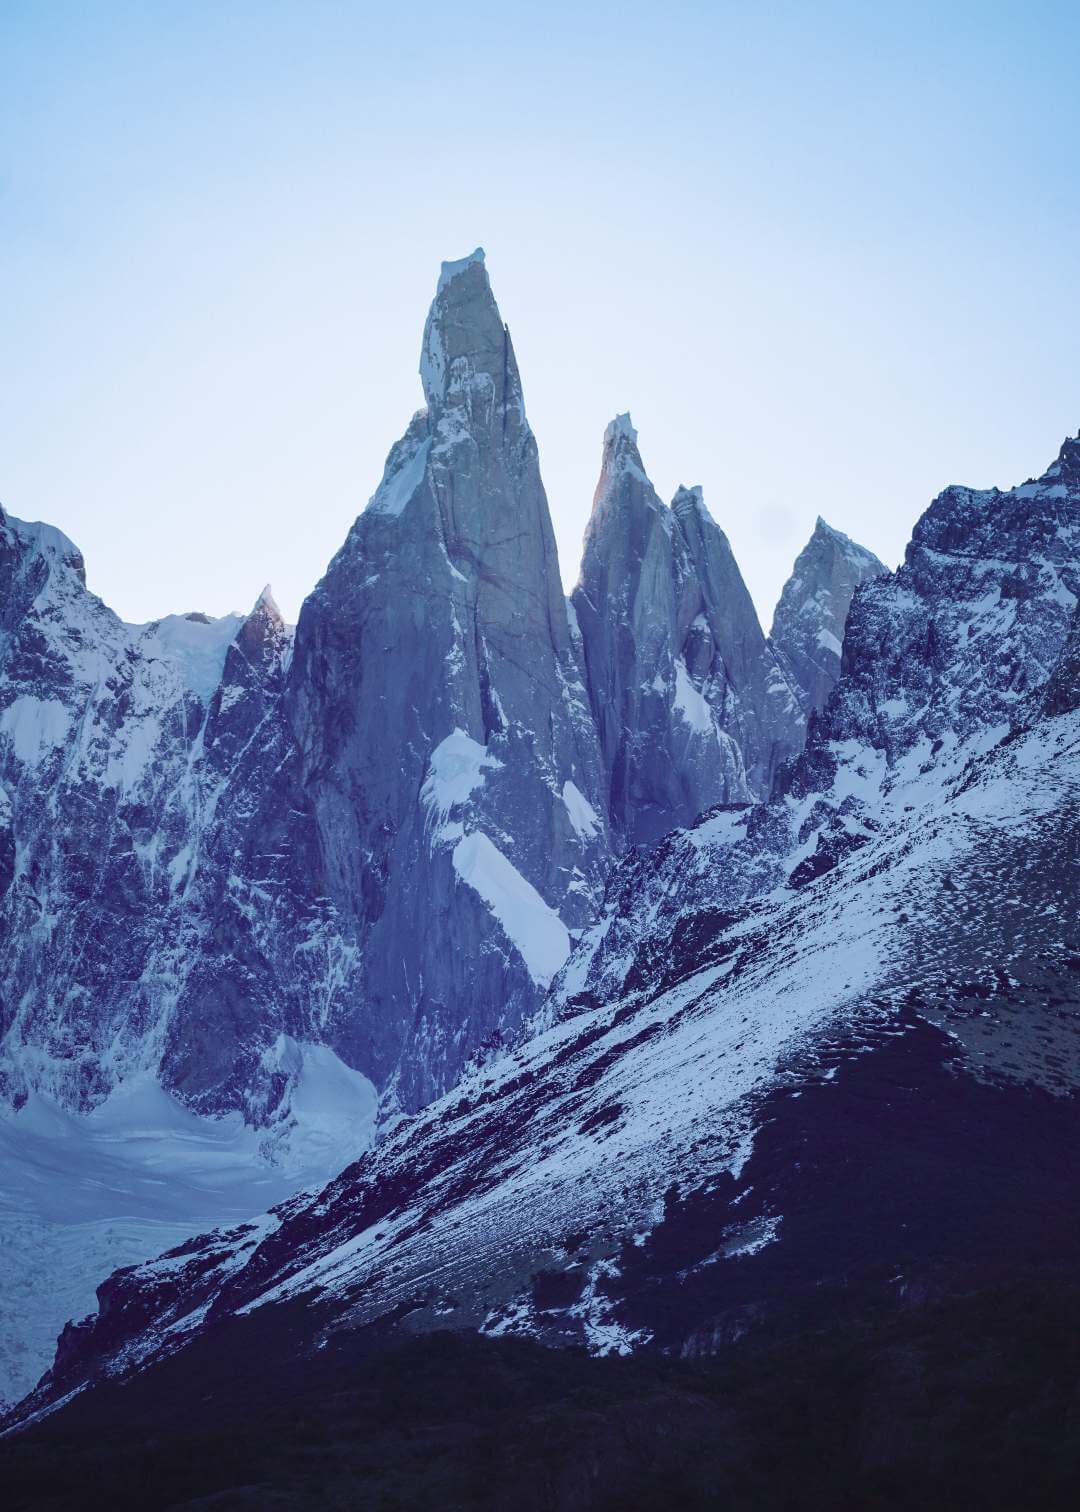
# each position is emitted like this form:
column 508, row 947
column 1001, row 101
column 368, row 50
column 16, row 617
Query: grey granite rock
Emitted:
column 692, row 705
column 808, row 625
column 448, row 748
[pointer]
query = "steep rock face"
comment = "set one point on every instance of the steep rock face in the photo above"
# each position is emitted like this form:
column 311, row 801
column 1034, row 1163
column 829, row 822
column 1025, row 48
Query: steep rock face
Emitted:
column 448, row 749
column 968, row 638
column 808, row 625
column 1062, row 691
column 215, row 853
column 98, row 727
column 974, row 620
column 691, row 704
column 145, row 772
column 737, row 1100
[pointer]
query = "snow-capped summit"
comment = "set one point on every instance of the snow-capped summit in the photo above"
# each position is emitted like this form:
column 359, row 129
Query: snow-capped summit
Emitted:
column 808, row 625
column 623, row 483
column 451, row 268
column 620, row 426
column 688, row 500
column 467, row 361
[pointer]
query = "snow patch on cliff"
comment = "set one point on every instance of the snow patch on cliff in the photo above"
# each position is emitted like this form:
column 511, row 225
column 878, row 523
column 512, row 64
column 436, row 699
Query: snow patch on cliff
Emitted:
column 583, row 816
column 456, row 769
column 532, row 926
column 195, row 645
column 35, row 727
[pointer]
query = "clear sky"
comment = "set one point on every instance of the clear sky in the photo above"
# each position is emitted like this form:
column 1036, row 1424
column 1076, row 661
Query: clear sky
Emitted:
column 827, row 255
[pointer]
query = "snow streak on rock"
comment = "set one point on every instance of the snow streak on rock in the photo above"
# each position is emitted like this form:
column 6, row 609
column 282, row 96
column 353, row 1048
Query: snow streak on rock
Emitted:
column 639, row 1166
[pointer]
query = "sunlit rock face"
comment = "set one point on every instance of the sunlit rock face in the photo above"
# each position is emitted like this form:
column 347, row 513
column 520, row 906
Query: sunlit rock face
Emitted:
column 692, row 705
column 808, row 626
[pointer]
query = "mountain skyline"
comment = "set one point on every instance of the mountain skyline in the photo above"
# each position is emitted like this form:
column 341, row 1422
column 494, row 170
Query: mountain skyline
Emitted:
column 539, row 822
column 773, row 274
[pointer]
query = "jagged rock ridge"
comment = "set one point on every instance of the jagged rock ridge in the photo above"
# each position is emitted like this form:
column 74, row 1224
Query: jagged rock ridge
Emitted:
column 808, row 625
column 692, row 705
column 739, row 1096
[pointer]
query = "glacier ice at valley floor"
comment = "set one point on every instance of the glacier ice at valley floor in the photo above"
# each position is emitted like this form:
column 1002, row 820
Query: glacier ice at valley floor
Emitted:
column 82, row 1195
column 893, row 934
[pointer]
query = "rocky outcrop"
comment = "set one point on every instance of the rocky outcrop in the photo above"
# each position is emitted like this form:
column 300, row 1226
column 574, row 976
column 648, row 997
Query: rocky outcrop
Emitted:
column 808, row 625
column 100, row 727
column 1062, row 691
column 969, row 640
column 692, row 706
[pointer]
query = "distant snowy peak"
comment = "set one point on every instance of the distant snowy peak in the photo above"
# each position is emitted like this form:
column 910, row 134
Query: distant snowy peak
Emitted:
column 621, row 428
column 946, row 664
column 266, row 604
column 264, row 638
column 691, row 501
column 808, row 626
column 621, row 461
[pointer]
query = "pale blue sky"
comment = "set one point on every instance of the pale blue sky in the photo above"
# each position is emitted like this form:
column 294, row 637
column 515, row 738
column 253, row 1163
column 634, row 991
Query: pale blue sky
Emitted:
column 826, row 254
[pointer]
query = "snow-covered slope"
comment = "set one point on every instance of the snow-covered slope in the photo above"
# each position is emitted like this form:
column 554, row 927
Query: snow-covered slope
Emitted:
column 818, row 1049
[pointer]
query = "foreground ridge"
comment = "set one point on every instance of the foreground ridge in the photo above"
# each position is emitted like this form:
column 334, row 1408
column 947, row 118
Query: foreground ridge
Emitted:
column 815, row 1057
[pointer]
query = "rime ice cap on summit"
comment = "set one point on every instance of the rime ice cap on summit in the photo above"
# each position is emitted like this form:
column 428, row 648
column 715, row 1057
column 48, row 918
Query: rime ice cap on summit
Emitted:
column 450, row 270
column 690, row 499
column 466, row 346
column 620, row 426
